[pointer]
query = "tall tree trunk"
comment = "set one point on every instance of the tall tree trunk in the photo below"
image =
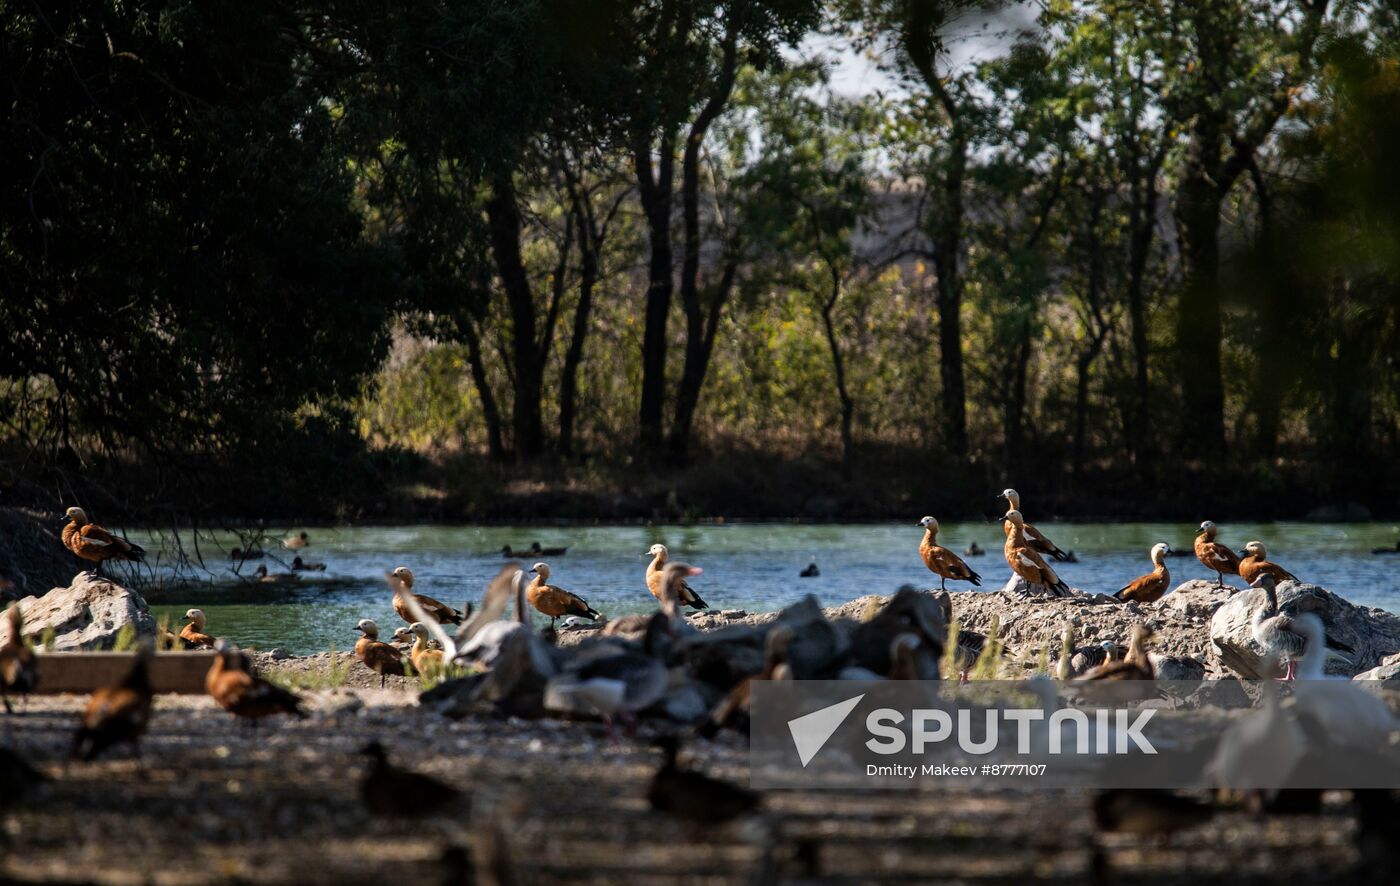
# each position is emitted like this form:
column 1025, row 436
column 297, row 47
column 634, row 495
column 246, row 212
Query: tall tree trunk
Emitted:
column 495, row 447
column 697, row 352
column 1014, row 425
column 947, row 244
column 654, row 188
column 589, row 243
column 503, row 217
column 1143, row 222
column 1199, row 323
column 838, row 366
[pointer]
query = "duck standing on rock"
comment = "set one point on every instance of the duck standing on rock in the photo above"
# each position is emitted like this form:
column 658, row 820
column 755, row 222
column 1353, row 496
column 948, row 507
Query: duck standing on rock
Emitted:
column 401, row 581
column 378, row 656
column 1034, row 537
column 1255, row 563
column 95, row 544
column 1133, row 666
column 940, row 561
column 1214, row 555
column 1285, row 637
column 116, row 714
column 192, row 635
column 554, row 601
column 1025, row 561
column 659, row 555
column 19, row 672
column 1149, row 588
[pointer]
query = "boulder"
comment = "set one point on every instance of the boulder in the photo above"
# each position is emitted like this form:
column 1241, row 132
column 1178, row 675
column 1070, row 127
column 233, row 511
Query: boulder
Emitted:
column 1387, row 670
column 1197, row 598
column 816, row 643
column 1372, row 633
column 88, row 614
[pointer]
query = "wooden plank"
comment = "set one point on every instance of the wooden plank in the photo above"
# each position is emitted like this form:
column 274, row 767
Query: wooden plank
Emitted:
column 176, row 672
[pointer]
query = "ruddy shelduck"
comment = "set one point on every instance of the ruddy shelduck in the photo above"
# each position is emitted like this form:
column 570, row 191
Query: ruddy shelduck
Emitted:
column 1214, row 555
column 940, row 561
column 95, row 544
column 1025, row 560
column 659, row 556
column 1149, row 588
column 1034, row 537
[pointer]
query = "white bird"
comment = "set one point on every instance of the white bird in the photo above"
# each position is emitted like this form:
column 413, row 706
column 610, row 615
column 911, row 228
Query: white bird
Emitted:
column 1284, row 636
column 1260, row 750
column 1346, row 714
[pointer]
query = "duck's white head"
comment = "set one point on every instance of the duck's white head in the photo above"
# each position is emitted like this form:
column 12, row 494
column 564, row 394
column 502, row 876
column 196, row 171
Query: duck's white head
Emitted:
column 1159, row 552
column 1256, row 548
column 929, row 523
column 540, row 569
column 1014, row 517
column 656, row 551
column 1013, row 498
column 403, row 574
column 368, row 628
column 77, row 515
column 195, row 616
column 1207, row 527
column 419, row 630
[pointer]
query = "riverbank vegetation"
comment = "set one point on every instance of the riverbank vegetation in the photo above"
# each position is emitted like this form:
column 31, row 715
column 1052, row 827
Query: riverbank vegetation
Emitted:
column 663, row 260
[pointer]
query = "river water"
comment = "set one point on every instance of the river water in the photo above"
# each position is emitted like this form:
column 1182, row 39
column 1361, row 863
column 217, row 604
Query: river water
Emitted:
column 747, row 566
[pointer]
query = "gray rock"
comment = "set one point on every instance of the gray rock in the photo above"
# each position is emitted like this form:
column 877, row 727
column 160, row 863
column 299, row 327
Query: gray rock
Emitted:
column 1387, row 670
column 88, row 614
column 1372, row 633
column 279, row 654
column 1196, row 598
column 1177, row 667
column 733, row 613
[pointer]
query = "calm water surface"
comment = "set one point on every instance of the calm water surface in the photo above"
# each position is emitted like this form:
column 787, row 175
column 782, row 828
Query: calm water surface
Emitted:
column 747, row 566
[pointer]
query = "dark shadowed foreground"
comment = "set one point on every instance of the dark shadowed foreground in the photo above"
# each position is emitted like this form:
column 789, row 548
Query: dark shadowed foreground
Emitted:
column 217, row 802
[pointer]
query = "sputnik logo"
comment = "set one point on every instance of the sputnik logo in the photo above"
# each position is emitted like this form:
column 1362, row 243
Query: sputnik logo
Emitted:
column 810, row 732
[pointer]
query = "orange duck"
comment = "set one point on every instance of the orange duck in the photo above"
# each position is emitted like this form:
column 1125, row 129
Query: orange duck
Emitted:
column 95, row 544
column 1149, row 588
column 401, row 580
column 426, row 660
column 116, row 714
column 192, row 635
column 1025, row 560
column 659, row 555
column 1255, row 563
column 242, row 694
column 1034, row 537
column 19, row 672
column 941, row 561
column 378, row 656
column 555, row 601
column 1214, row 555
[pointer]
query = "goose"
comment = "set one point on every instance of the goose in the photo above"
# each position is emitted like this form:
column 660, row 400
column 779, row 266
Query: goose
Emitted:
column 300, row 565
column 694, row 796
column 941, row 561
column 401, row 581
column 1255, row 562
column 242, row 694
column 659, row 555
column 95, row 544
column 967, row 651
column 296, row 542
column 1034, row 536
column 1025, row 561
column 1133, row 666
column 1287, row 637
column 614, row 682
column 19, row 671
column 192, row 635
column 1259, row 750
column 379, row 657
column 390, row 791
column 555, row 601
column 1149, row 588
column 116, row 714
column 1214, row 555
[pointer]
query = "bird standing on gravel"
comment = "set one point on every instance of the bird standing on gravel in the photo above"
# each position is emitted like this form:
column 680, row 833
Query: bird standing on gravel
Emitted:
column 1214, row 555
column 242, row 694
column 1034, row 537
column 379, row 657
column 656, row 569
column 1133, row 666
column 1149, row 588
column 116, row 714
column 555, row 601
column 1025, row 560
column 942, row 562
column 95, row 544
column 19, row 672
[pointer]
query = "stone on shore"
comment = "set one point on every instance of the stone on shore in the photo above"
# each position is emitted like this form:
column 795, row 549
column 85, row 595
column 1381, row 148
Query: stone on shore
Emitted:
column 88, row 614
column 1388, row 670
column 1372, row 633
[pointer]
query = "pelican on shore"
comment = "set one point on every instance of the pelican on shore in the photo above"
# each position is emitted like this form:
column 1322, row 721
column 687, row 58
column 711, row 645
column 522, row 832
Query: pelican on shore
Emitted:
column 1025, row 560
column 1255, row 562
column 940, row 561
column 1149, row 588
column 1213, row 554
column 1034, row 537
column 95, row 544
column 1289, row 638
